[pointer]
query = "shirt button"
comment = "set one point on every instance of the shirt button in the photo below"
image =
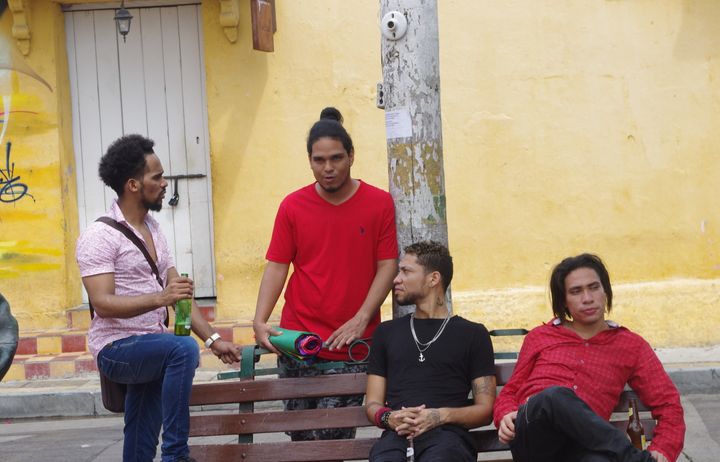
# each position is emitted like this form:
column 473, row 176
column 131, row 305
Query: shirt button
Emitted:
column 587, row 344
column 574, row 387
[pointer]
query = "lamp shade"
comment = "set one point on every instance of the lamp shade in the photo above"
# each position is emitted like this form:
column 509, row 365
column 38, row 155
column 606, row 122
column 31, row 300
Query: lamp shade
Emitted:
column 122, row 20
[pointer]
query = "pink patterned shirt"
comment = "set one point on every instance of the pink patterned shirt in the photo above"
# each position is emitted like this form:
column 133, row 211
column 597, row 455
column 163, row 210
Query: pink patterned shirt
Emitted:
column 103, row 249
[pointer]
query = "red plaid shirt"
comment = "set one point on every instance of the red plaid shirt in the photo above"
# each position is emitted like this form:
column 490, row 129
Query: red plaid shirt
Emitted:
column 597, row 370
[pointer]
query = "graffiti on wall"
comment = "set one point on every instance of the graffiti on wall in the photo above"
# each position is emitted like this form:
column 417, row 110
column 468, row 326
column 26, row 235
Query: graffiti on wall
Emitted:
column 12, row 188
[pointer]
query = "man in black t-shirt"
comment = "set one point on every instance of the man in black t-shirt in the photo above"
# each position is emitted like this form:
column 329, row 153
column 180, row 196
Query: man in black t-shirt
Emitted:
column 424, row 365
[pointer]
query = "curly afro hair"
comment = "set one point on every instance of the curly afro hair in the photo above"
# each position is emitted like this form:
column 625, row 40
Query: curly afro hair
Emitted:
column 124, row 159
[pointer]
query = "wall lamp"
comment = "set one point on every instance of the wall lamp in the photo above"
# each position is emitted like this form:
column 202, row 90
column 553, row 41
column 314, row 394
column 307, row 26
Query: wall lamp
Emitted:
column 122, row 20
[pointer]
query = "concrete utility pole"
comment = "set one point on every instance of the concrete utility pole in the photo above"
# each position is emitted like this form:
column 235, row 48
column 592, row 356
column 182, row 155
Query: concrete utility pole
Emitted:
column 410, row 95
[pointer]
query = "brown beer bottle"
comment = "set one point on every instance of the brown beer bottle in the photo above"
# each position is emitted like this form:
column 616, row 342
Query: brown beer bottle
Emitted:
column 635, row 429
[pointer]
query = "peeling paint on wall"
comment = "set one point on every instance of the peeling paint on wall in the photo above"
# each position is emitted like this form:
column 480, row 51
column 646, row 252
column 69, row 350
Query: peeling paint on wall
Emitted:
column 19, row 257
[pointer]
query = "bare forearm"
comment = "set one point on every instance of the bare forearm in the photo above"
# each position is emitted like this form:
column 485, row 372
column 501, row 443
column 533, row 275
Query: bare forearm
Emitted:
column 480, row 412
column 122, row 306
column 200, row 326
column 472, row 416
column 271, row 286
column 379, row 289
column 374, row 395
column 371, row 408
column 101, row 292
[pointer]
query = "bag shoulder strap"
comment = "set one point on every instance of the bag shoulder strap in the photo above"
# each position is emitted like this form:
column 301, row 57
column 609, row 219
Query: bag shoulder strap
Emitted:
column 140, row 245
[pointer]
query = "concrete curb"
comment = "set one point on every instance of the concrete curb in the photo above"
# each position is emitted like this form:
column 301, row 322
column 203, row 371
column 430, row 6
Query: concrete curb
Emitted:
column 696, row 380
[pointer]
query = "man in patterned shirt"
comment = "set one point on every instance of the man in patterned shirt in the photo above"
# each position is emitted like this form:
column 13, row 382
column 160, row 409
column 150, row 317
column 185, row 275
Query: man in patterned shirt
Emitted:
column 570, row 374
column 128, row 336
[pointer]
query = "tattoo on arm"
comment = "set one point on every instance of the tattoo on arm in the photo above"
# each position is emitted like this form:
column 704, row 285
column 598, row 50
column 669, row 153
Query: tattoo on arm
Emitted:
column 373, row 403
column 434, row 417
column 484, row 386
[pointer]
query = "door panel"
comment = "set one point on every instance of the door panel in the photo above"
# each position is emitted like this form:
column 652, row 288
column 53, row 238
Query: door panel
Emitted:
column 152, row 84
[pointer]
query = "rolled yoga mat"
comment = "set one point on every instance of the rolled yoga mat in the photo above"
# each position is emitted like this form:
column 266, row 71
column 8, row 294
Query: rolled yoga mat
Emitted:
column 301, row 346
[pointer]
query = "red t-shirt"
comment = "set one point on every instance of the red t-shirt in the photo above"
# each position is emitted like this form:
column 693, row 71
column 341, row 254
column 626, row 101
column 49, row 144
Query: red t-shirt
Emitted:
column 334, row 250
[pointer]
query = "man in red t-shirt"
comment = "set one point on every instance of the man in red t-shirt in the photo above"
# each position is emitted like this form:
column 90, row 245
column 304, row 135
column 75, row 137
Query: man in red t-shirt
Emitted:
column 569, row 376
column 339, row 234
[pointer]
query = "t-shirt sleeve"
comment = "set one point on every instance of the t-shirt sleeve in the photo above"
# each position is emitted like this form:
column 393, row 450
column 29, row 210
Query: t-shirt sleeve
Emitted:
column 483, row 355
column 282, row 247
column 387, row 244
column 96, row 251
column 377, row 360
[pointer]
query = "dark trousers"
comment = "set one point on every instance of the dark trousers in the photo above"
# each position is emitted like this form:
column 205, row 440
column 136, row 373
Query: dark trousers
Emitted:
column 557, row 426
column 291, row 368
column 438, row 445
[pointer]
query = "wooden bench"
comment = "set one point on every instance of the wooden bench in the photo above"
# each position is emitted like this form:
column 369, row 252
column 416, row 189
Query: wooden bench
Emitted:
column 246, row 421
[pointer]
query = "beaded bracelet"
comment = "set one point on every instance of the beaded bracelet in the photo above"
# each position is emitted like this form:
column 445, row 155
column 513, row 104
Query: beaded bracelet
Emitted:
column 379, row 414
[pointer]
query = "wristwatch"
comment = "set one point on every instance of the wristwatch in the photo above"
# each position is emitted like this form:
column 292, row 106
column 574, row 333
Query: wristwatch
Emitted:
column 210, row 340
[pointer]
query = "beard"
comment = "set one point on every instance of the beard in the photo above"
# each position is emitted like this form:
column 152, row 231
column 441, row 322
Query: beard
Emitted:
column 154, row 206
column 406, row 300
column 329, row 190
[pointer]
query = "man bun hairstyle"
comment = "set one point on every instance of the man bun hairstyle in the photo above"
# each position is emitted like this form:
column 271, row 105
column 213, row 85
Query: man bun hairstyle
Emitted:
column 330, row 126
column 567, row 266
column 330, row 113
column 433, row 256
column 124, row 159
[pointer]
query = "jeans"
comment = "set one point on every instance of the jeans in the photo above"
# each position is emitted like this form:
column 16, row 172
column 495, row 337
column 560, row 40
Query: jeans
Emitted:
column 159, row 370
column 437, row 445
column 557, row 426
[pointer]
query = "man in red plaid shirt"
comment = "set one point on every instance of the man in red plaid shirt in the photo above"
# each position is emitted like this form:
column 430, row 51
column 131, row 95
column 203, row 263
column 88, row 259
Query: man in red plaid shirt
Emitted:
column 570, row 374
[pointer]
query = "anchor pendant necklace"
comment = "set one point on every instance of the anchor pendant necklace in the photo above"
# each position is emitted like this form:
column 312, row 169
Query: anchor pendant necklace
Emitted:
column 423, row 346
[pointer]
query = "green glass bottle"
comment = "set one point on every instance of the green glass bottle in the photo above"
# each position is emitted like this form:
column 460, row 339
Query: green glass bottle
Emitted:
column 183, row 318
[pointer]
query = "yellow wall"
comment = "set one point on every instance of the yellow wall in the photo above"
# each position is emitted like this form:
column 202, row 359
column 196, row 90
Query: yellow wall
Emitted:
column 585, row 126
column 37, row 224
column 568, row 127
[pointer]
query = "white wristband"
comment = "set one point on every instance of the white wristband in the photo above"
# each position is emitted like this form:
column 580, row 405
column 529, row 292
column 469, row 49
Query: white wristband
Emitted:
column 210, row 340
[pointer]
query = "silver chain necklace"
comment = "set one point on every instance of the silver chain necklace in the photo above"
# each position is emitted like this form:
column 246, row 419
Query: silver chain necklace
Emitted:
column 422, row 346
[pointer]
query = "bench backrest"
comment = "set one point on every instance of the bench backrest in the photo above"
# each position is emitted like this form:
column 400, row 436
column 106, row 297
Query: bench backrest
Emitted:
column 246, row 422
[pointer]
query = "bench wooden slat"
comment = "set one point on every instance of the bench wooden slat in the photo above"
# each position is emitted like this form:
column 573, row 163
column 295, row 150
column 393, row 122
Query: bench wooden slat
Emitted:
column 487, row 441
column 243, row 391
column 291, row 451
column 277, row 421
column 503, row 371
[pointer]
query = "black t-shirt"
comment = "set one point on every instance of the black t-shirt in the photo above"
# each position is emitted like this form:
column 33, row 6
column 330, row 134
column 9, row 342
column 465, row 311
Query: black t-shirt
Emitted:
column 461, row 354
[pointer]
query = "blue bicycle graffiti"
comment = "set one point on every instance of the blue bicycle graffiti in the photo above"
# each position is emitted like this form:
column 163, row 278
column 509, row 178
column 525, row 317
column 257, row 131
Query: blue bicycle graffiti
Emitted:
column 11, row 189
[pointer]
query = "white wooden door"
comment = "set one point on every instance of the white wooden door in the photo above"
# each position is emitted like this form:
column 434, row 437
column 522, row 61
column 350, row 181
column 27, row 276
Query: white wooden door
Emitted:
column 152, row 84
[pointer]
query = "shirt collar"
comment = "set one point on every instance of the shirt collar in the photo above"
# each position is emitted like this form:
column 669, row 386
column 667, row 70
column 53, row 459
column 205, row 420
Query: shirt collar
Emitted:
column 117, row 215
column 558, row 322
